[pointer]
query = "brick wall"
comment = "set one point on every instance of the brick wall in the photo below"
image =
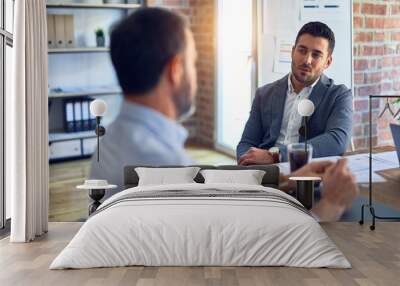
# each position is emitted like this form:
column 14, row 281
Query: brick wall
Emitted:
column 201, row 16
column 203, row 27
column 376, row 65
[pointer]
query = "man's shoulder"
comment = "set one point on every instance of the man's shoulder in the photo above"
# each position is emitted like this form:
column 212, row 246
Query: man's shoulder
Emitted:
column 268, row 88
column 135, row 143
column 335, row 89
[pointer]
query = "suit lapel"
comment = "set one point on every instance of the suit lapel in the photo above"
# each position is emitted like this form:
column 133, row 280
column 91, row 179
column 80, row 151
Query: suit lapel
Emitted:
column 278, row 105
column 319, row 91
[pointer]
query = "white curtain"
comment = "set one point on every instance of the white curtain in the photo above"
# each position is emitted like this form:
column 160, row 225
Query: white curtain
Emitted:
column 27, row 124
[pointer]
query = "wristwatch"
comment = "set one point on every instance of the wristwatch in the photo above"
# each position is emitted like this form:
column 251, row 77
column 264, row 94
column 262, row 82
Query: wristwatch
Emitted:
column 276, row 154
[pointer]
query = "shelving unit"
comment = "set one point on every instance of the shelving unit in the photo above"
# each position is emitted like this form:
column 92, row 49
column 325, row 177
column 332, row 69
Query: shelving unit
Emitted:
column 72, row 145
column 59, row 137
column 78, row 50
column 93, row 6
column 81, row 72
column 87, row 92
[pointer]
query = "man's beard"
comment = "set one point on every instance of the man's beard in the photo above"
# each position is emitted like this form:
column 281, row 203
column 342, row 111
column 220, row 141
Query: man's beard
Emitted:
column 183, row 102
column 308, row 80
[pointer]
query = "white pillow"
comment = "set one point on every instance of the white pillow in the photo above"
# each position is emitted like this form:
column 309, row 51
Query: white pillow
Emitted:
column 165, row 176
column 248, row 177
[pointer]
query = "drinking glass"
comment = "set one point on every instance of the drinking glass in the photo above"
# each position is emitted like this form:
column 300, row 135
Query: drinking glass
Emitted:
column 297, row 155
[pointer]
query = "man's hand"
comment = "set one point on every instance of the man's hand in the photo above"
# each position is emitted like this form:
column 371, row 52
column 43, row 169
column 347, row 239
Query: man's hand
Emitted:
column 256, row 156
column 313, row 169
column 339, row 191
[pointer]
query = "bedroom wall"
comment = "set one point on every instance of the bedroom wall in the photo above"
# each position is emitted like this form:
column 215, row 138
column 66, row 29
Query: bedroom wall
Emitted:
column 201, row 16
column 376, row 64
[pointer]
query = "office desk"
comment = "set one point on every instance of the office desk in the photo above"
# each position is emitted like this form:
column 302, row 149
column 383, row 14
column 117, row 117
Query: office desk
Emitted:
column 385, row 185
column 386, row 182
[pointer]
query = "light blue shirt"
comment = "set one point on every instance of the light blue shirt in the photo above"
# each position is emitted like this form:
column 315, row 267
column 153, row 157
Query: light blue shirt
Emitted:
column 138, row 136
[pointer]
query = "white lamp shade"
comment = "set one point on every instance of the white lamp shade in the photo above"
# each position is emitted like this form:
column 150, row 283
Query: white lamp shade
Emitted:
column 98, row 107
column 305, row 107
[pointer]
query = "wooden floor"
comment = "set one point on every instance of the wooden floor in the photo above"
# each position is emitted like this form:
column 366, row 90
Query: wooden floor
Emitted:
column 70, row 204
column 374, row 255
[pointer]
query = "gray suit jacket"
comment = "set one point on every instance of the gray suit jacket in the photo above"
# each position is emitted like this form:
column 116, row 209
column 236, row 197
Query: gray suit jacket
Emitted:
column 329, row 128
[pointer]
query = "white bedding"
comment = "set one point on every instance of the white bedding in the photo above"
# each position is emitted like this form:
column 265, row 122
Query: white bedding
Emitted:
column 224, row 231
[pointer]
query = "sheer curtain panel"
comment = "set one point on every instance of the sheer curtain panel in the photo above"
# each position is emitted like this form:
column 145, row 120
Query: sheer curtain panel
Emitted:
column 27, row 123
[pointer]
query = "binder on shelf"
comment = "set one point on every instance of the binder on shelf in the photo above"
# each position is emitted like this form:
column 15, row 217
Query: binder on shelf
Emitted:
column 92, row 120
column 69, row 31
column 69, row 116
column 78, row 115
column 60, row 31
column 51, row 32
column 85, row 115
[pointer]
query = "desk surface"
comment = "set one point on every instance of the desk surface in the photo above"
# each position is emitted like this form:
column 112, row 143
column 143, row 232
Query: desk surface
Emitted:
column 388, row 192
column 391, row 174
column 385, row 187
column 383, row 159
column 377, row 149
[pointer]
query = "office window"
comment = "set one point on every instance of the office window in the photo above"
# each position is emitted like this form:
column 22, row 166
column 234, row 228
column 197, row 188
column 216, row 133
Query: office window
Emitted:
column 6, row 43
column 9, row 12
column 235, row 70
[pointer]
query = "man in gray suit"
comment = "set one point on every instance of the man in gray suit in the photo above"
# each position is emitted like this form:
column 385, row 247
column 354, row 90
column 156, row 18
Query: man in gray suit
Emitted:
column 274, row 120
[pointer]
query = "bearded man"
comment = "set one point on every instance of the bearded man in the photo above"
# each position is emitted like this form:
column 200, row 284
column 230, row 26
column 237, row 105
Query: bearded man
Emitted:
column 154, row 56
column 274, row 120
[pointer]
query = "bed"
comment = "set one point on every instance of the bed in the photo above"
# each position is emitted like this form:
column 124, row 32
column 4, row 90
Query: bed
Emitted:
column 201, row 224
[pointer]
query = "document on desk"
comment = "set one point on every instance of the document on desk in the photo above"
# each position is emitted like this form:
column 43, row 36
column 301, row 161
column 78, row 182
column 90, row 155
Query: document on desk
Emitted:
column 387, row 157
column 359, row 165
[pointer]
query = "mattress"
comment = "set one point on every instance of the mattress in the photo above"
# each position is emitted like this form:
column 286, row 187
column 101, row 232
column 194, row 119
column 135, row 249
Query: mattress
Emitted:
column 201, row 225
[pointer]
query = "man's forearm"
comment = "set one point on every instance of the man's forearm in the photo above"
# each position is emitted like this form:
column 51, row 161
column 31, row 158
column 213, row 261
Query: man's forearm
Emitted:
column 323, row 211
column 286, row 185
column 242, row 148
column 326, row 211
column 329, row 144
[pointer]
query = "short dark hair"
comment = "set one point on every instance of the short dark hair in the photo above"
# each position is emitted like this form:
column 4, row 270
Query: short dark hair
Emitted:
column 318, row 29
column 142, row 44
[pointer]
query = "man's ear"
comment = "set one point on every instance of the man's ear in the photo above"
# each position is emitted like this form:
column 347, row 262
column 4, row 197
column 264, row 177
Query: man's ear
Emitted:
column 175, row 70
column 328, row 61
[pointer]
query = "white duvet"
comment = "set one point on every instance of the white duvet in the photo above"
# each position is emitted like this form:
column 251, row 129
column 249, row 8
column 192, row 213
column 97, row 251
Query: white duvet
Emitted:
column 200, row 231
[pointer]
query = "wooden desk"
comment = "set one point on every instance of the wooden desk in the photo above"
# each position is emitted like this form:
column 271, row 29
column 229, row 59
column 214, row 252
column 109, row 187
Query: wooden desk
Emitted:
column 378, row 149
column 387, row 192
column 391, row 174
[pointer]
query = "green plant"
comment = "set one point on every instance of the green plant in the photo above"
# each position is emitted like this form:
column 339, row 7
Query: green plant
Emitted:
column 99, row 33
column 397, row 103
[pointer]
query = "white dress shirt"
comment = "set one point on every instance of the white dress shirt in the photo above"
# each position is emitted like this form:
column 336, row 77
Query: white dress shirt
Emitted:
column 291, row 120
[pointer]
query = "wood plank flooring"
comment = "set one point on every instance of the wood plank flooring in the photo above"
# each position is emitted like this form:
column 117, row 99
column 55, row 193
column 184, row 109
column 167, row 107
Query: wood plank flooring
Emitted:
column 374, row 255
column 70, row 204
column 66, row 202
